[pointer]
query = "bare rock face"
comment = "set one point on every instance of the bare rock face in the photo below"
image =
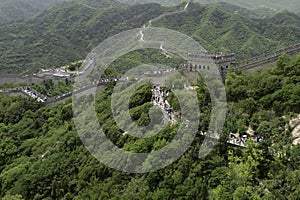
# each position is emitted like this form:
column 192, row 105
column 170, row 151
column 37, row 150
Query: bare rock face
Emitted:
column 250, row 131
column 295, row 122
column 296, row 132
column 296, row 141
column 295, row 125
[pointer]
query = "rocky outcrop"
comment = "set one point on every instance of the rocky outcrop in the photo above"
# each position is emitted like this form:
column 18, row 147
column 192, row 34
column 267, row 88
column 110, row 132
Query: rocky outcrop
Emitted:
column 295, row 125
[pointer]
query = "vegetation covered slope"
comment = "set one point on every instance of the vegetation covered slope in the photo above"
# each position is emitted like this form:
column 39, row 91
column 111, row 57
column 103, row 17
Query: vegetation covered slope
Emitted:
column 292, row 5
column 12, row 10
column 217, row 30
column 250, row 13
column 67, row 32
column 42, row 156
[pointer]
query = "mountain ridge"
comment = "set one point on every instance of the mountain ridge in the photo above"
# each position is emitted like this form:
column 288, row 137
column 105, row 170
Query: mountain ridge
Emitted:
column 13, row 10
column 68, row 31
column 218, row 30
column 65, row 34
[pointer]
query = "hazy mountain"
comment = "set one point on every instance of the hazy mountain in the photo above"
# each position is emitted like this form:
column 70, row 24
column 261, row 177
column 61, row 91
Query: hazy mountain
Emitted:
column 292, row 5
column 67, row 32
column 219, row 30
column 11, row 10
column 250, row 13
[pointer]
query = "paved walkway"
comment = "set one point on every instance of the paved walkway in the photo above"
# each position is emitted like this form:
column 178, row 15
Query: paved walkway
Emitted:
column 167, row 53
column 159, row 98
column 30, row 92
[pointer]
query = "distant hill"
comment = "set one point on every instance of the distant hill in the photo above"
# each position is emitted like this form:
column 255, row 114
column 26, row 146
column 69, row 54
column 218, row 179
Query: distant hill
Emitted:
column 219, row 30
column 250, row 13
column 12, row 10
column 292, row 5
column 68, row 31
column 65, row 33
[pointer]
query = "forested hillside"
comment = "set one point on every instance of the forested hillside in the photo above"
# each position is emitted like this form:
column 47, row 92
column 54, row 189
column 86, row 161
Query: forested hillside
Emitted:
column 69, row 31
column 65, row 34
column 218, row 30
column 250, row 13
column 292, row 5
column 42, row 156
column 12, row 10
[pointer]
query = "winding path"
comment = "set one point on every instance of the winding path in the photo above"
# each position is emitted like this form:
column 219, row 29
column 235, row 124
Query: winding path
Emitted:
column 157, row 18
column 30, row 92
column 237, row 141
column 159, row 99
column 168, row 116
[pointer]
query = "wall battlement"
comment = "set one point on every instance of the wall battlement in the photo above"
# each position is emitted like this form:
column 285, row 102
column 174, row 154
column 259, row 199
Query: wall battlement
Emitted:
column 29, row 79
column 222, row 62
column 217, row 62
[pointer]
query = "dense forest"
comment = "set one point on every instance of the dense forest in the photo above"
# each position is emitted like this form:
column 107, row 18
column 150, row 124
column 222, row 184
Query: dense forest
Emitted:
column 42, row 156
column 292, row 5
column 69, row 31
column 218, row 30
column 17, row 10
column 11, row 10
column 65, row 34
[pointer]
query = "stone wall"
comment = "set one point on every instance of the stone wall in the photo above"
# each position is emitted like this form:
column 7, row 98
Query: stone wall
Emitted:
column 195, row 65
column 266, row 60
column 29, row 79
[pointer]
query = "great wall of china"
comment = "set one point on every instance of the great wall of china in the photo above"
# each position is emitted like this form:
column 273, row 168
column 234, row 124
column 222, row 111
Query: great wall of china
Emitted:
column 227, row 61
column 253, row 64
column 265, row 60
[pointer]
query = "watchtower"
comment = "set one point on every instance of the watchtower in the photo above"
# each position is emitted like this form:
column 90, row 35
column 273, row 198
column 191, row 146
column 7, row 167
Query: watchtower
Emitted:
column 221, row 62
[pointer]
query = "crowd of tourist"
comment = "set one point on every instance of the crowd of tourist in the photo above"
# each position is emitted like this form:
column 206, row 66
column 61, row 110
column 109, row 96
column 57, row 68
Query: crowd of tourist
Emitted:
column 160, row 98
